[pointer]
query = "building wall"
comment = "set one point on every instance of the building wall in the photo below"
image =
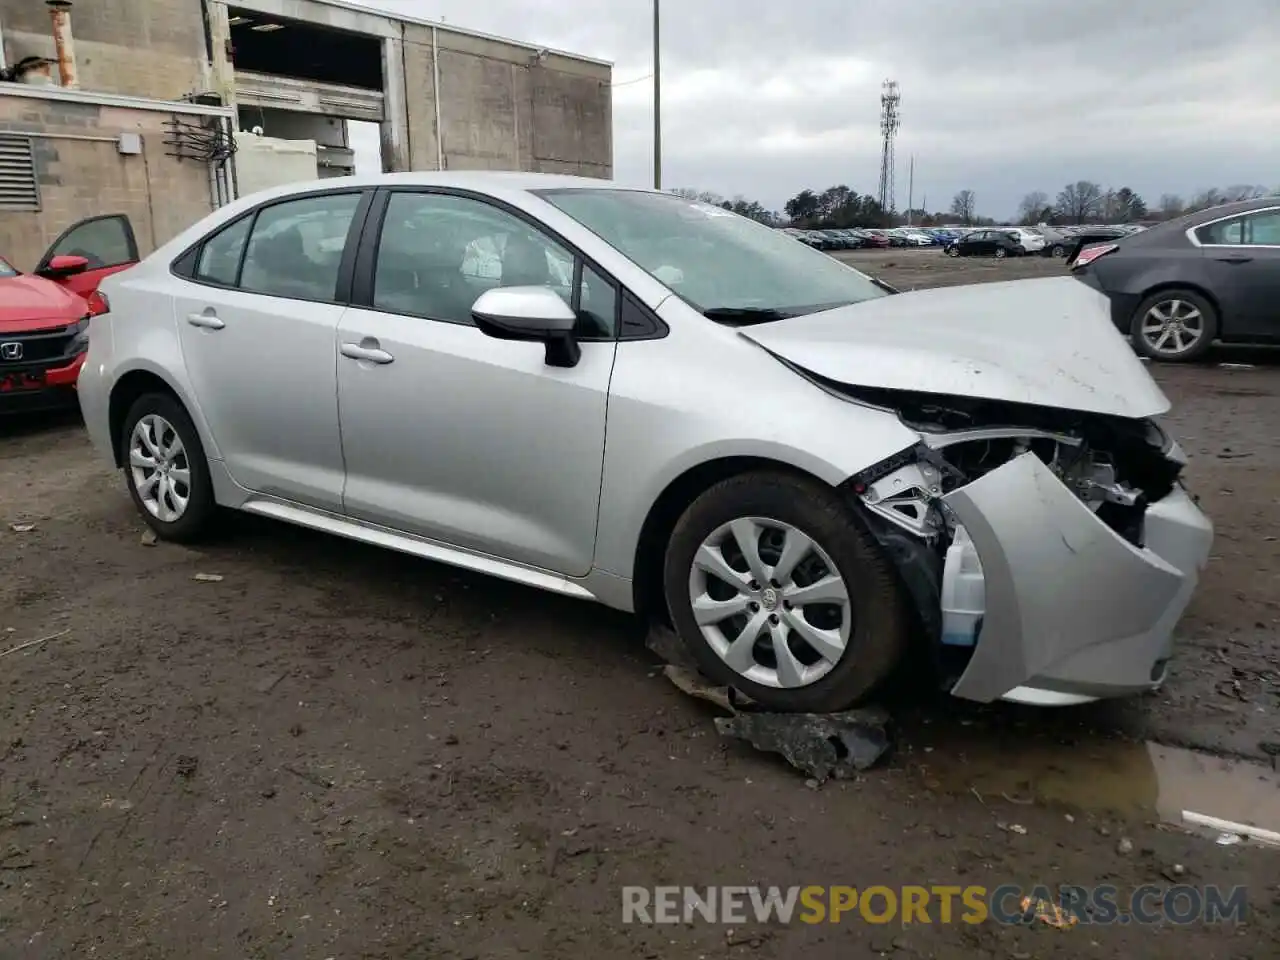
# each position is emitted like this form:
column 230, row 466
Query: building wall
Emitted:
column 141, row 48
column 503, row 108
column 82, row 177
column 502, row 105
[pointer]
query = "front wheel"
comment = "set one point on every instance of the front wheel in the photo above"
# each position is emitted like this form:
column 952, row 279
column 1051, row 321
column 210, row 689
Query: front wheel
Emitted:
column 953, row 251
column 776, row 590
column 1059, row 250
column 1175, row 326
column 165, row 468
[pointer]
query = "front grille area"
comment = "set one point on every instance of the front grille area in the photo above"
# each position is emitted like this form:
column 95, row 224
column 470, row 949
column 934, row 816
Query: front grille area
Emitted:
column 38, row 349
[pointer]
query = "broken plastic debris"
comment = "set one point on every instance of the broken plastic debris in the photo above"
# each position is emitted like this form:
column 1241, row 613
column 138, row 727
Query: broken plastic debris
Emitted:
column 208, row 577
column 148, row 538
column 1048, row 913
column 22, row 527
column 822, row 745
column 693, row 684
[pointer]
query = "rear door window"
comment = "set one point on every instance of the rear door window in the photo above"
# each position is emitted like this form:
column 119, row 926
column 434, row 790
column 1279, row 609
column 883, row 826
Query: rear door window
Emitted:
column 220, row 256
column 295, row 248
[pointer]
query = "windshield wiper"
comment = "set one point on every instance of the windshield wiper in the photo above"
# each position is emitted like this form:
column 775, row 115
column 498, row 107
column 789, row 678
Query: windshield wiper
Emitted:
column 745, row 316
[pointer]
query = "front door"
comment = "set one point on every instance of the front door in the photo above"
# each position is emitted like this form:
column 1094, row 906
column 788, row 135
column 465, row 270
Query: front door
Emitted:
column 455, row 436
column 257, row 322
column 1243, row 260
column 106, row 243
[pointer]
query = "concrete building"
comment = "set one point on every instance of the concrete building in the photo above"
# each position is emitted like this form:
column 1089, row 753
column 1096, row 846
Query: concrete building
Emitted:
column 180, row 76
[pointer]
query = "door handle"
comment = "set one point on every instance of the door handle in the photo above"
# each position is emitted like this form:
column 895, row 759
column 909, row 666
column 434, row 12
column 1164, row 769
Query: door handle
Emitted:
column 357, row 351
column 209, row 321
column 1235, row 259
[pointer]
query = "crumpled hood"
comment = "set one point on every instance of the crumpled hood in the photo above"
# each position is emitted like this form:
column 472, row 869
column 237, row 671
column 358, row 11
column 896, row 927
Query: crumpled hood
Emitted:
column 1045, row 342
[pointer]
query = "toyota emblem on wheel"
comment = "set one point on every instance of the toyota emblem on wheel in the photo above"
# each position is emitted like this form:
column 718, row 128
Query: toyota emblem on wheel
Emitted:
column 10, row 351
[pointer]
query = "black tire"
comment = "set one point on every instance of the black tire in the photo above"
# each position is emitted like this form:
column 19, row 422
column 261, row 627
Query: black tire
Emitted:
column 953, row 251
column 880, row 627
column 1058, row 250
column 1001, row 253
column 1201, row 347
column 201, row 506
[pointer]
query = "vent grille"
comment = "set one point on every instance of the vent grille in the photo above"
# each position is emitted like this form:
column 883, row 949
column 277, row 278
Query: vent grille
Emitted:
column 19, row 189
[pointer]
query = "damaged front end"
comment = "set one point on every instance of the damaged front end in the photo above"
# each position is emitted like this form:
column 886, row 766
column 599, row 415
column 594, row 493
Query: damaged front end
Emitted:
column 1049, row 553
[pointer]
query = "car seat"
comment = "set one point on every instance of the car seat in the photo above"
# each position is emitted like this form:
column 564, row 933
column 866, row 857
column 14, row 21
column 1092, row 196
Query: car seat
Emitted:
column 524, row 263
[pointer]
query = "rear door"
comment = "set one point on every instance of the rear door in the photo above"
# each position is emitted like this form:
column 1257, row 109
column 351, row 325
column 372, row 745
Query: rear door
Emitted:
column 107, row 242
column 1242, row 257
column 257, row 317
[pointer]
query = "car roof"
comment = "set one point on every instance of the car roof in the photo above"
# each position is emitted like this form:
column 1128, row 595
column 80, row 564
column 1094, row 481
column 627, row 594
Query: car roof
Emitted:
column 482, row 180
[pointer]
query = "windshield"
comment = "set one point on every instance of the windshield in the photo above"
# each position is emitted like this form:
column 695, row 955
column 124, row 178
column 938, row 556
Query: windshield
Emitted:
column 724, row 265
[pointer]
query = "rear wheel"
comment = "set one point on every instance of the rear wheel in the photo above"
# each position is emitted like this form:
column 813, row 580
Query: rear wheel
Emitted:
column 1174, row 326
column 776, row 590
column 1001, row 253
column 1059, row 250
column 165, row 468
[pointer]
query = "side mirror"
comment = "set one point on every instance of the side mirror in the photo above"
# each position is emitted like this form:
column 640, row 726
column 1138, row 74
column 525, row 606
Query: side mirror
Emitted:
column 533, row 314
column 65, row 265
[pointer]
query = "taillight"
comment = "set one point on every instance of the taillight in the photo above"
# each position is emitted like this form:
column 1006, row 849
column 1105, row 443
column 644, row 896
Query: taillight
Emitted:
column 1090, row 254
column 98, row 304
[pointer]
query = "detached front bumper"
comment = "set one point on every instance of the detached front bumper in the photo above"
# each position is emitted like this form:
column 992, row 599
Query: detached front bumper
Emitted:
column 1073, row 611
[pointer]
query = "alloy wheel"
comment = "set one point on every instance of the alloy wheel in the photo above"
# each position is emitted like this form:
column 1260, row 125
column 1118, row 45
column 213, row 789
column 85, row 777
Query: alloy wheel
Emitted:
column 770, row 602
column 159, row 468
column 1172, row 327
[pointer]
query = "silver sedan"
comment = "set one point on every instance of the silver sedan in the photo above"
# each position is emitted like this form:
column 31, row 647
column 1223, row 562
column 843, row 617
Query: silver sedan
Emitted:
column 653, row 403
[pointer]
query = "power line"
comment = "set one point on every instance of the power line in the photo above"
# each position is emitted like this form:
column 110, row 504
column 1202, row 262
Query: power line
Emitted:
column 627, row 83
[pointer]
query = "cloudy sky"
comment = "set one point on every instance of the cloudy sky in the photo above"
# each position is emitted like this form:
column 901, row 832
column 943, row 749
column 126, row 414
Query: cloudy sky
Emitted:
column 998, row 96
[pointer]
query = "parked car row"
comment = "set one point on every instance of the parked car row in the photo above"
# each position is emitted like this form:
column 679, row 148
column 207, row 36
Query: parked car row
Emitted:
column 958, row 241
column 857, row 238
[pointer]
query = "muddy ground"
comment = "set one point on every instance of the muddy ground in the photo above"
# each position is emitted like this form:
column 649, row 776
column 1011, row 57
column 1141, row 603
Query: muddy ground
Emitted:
column 334, row 751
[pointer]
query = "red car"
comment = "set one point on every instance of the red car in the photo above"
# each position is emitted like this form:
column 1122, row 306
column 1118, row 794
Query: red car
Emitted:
column 44, row 315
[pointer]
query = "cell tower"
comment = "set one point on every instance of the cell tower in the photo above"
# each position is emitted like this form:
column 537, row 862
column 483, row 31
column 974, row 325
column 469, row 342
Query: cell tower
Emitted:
column 890, row 99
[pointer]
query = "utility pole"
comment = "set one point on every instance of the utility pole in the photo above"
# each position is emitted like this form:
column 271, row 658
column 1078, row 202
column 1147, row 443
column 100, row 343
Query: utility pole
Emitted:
column 890, row 100
column 657, row 97
column 911, row 188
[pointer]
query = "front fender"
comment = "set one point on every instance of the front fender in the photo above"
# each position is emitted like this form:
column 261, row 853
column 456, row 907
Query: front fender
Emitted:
column 671, row 411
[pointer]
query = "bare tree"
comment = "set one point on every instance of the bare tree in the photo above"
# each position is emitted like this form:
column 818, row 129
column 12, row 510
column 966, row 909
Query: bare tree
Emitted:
column 1244, row 191
column 704, row 196
column 963, row 205
column 1080, row 201
column 1171, row 205
column 1032, row 207
column 1206, row 199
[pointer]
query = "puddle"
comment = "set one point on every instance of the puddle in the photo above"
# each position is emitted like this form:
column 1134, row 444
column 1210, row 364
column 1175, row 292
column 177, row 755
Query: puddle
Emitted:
column 1133, row 780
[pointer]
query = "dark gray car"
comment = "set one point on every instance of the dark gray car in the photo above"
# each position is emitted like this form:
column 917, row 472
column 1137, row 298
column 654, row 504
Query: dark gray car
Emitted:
column 1178, row 287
